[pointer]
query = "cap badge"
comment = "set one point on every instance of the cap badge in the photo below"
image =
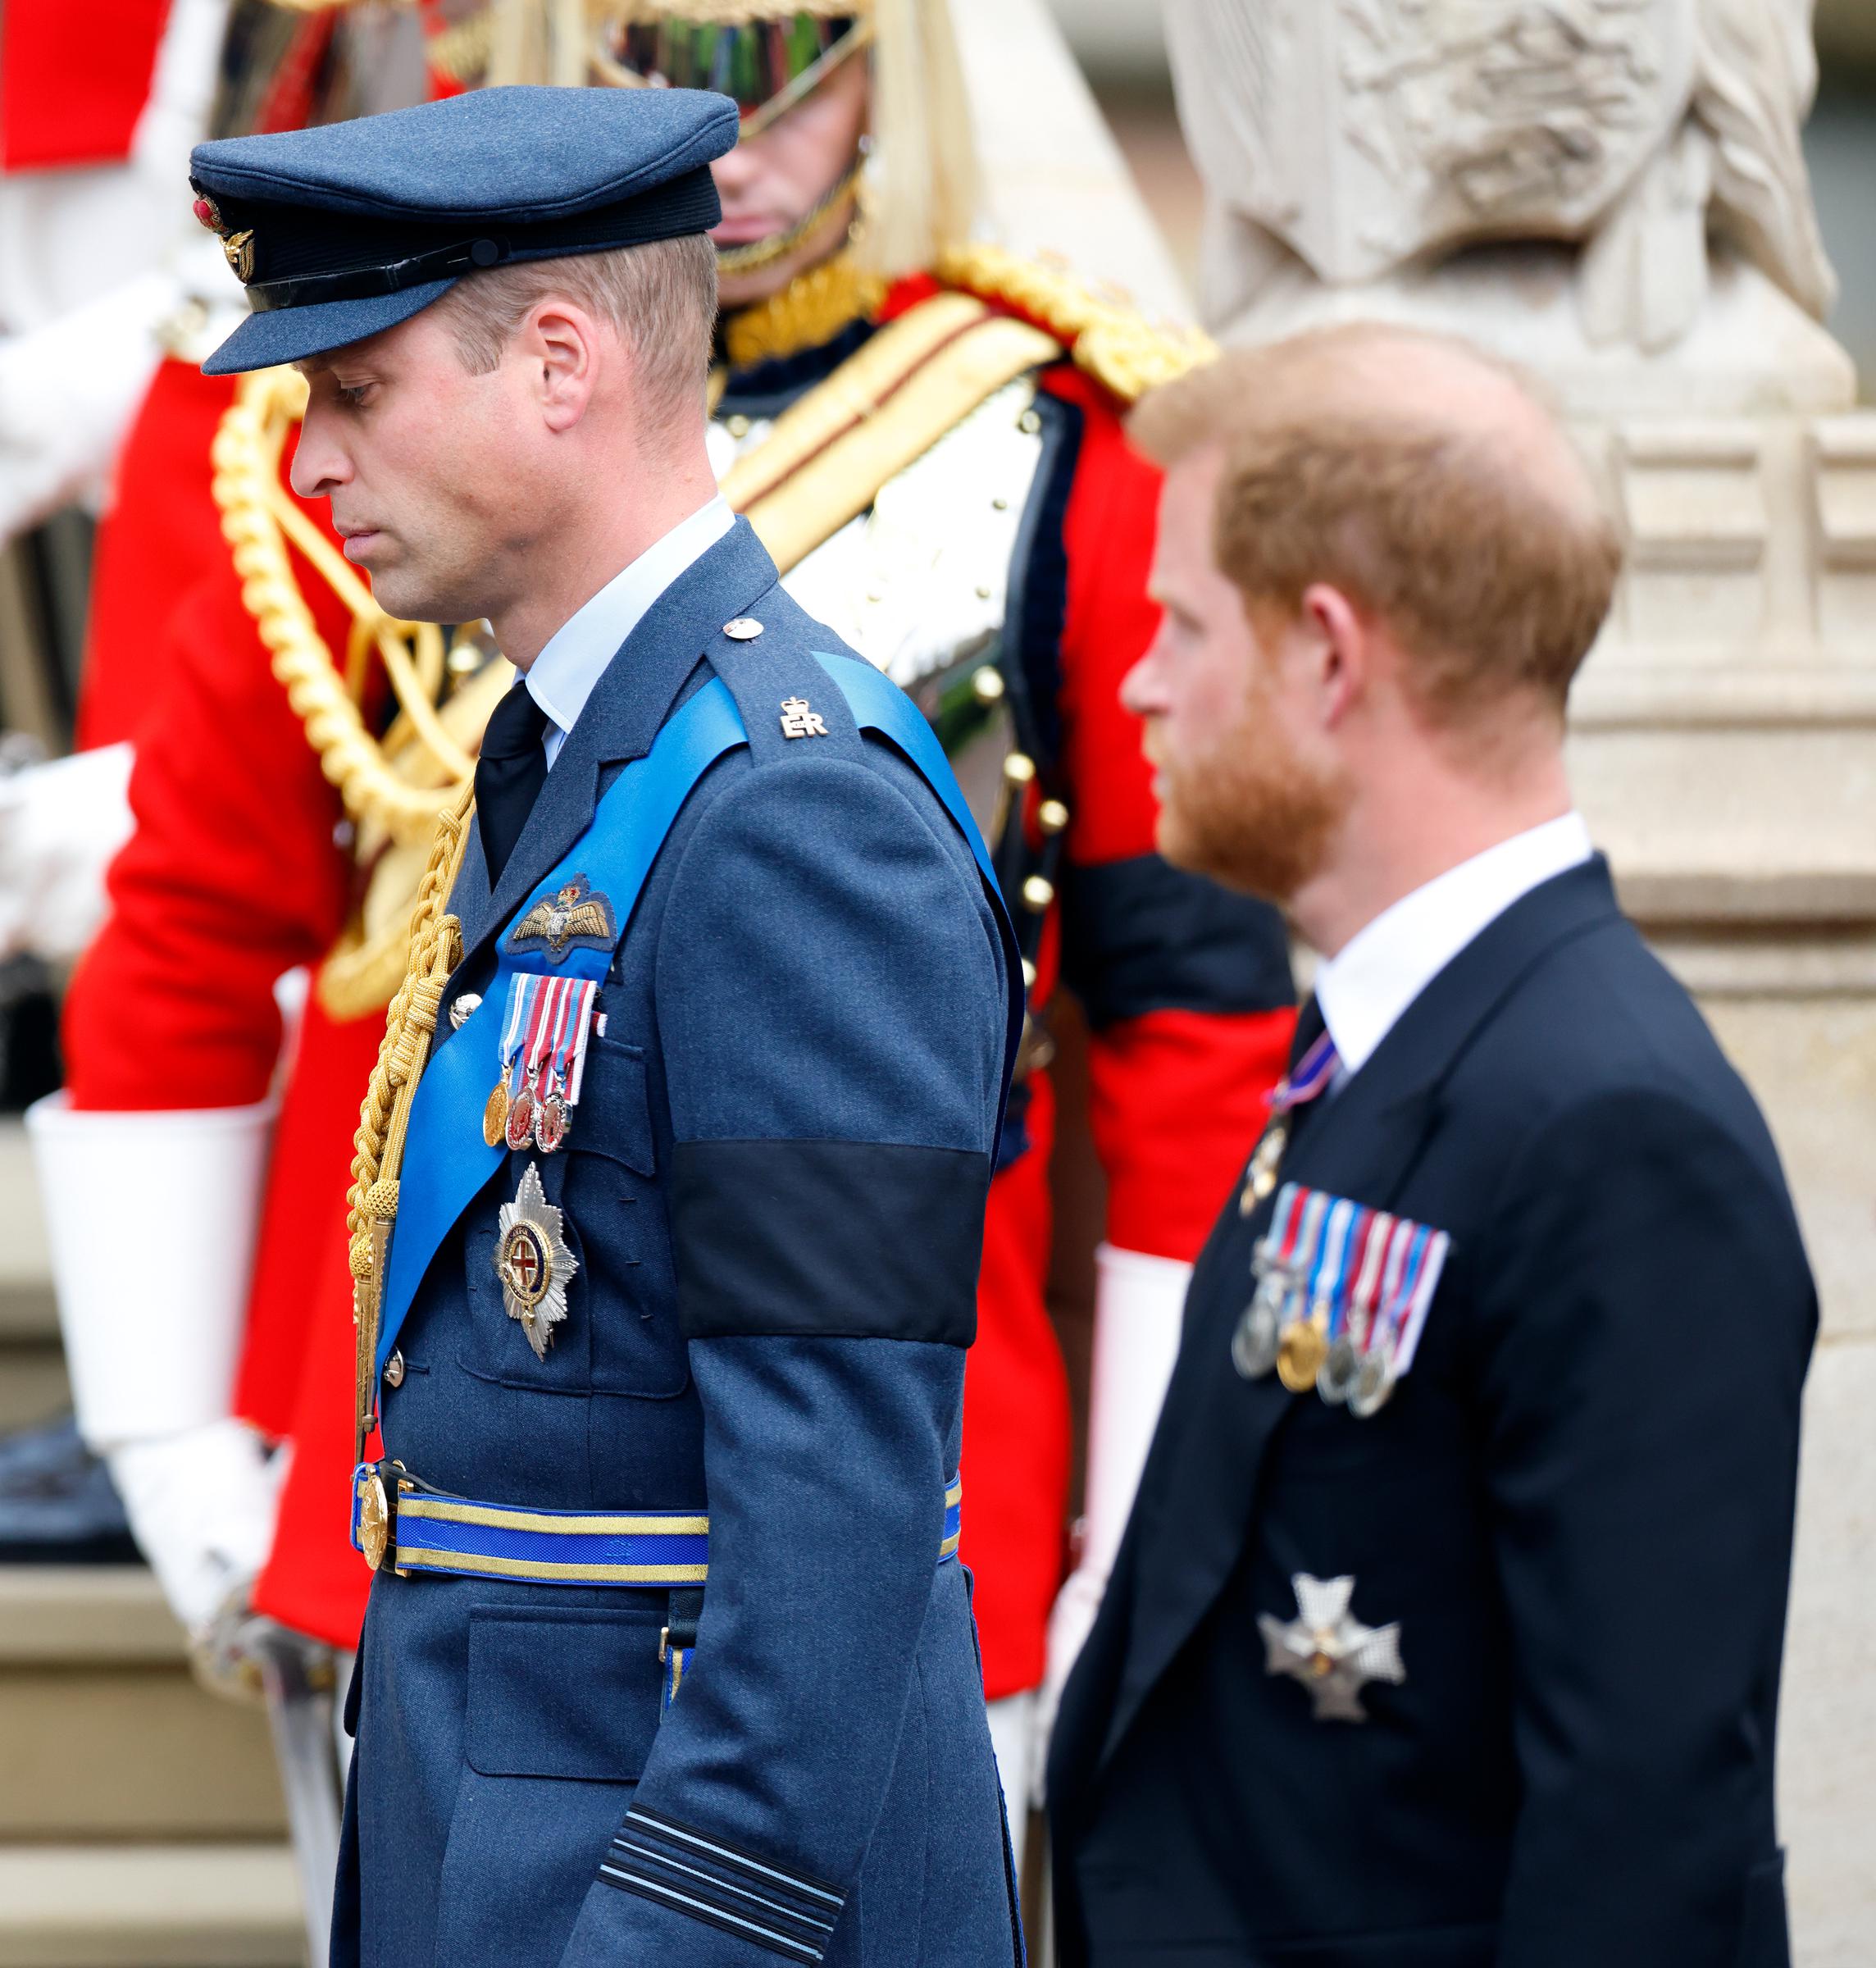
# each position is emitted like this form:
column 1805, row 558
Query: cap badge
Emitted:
column 533, row 1262
column 1328, row 1650
column 800, row 720
column 238, row 246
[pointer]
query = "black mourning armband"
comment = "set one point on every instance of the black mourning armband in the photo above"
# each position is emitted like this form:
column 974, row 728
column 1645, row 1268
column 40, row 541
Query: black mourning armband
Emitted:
column 856, row 1240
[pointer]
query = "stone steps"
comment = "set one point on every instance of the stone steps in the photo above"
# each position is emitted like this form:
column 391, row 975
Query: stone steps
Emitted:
column 167, row 1905
column 32, row 1369
column 141, row 1823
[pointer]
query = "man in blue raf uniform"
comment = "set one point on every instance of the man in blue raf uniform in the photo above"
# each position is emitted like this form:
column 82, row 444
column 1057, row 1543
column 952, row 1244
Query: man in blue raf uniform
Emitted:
column 697, row 1086
column 1446, row 1633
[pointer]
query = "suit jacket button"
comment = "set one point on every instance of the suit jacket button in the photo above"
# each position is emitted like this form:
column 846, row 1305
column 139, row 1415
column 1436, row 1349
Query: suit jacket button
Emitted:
column 395, row 1371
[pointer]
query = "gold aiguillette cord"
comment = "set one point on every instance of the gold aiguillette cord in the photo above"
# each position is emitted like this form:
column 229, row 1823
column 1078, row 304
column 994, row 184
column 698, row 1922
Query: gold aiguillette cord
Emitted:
column 371, row 1205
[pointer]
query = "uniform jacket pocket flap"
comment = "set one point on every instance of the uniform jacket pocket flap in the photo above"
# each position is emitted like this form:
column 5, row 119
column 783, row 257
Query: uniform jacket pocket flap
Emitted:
column 613, row 1117
column 562, row 1693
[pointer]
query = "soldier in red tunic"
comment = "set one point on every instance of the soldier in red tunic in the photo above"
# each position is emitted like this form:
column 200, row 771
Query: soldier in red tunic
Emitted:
column 926, row 435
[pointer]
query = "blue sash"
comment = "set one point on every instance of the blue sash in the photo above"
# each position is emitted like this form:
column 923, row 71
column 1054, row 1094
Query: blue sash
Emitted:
column 446, row 1161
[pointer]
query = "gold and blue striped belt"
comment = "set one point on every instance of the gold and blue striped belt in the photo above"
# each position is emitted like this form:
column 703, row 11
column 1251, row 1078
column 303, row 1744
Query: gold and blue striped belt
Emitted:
column 402, row 1524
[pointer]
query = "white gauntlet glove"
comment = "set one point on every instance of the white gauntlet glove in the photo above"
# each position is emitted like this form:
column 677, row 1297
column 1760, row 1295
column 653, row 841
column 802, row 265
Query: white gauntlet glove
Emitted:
column 201, row 1507
column 1139, row 1301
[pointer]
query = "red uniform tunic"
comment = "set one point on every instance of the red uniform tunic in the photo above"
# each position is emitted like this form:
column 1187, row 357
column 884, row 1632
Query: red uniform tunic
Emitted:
column 237, row 872
column 71, row 86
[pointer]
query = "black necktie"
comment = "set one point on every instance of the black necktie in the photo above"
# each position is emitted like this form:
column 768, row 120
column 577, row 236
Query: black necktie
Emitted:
column 509, row 775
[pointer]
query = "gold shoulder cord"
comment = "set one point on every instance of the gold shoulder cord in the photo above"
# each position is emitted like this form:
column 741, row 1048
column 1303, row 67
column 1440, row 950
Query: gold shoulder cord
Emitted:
column 371, row 1203
column 1124, row 351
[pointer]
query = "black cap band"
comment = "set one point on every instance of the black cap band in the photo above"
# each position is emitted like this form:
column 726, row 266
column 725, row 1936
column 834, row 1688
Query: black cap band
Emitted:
column 689, row 204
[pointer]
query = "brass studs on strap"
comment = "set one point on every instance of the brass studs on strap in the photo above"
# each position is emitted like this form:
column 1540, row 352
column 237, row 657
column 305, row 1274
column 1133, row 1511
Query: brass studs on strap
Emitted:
column 1052, row 815
column 1019, row 768
column 1038, row 893
column 988, row 683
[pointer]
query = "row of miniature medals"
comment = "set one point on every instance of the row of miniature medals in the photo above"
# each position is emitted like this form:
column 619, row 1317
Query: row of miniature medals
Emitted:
column 1339, row 1294
column 543, row 1058
column 1339, row 1290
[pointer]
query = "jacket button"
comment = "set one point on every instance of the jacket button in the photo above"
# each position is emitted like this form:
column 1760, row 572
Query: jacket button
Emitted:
column 395, row 1371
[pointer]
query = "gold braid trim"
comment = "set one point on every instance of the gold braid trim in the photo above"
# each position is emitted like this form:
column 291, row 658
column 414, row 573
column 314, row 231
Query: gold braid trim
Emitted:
column 1124, row 352
column 724, row 13
column 257, row 518
column 371, row 1203
column 811, row 310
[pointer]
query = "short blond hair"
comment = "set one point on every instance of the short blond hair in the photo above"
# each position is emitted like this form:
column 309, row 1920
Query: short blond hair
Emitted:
column 661, row 297
column 1420, row 477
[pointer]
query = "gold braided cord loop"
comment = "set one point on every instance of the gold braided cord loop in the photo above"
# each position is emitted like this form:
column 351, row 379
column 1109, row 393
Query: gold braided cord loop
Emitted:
column 1124, row 351
column 408, row 1023
column 383, row 1118
column 257, row 519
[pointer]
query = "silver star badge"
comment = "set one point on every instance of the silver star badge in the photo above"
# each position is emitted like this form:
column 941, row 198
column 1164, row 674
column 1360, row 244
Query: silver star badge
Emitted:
column 1328, row 1650
column 533, row 1262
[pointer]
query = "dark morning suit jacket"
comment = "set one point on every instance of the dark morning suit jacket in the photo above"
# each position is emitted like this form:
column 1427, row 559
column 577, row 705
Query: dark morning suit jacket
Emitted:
column 1578, row 1505
column 774, row 1186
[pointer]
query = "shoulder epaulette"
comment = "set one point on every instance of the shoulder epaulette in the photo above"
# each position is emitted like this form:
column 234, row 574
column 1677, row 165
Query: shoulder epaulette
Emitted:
column 1106, row 335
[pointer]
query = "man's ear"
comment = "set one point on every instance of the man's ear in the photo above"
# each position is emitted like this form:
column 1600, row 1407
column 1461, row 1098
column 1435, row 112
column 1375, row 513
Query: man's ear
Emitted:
column 1341, row 650
column 560, row 342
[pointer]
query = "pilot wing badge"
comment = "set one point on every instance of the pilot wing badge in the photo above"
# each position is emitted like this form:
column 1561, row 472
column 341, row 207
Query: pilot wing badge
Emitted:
column 577, row 916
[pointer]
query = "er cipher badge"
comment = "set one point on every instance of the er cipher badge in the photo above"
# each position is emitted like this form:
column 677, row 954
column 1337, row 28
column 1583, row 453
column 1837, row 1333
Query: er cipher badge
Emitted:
column 1339, row 1295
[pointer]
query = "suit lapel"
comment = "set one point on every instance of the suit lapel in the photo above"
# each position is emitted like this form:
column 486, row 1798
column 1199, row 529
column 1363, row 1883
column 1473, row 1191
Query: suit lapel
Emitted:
column 630, row 703
column 1192, row 1520
column 1193, row 1515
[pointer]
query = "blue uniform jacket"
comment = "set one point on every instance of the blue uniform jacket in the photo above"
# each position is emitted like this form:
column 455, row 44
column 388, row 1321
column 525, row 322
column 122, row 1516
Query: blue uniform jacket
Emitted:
column 774, row 1186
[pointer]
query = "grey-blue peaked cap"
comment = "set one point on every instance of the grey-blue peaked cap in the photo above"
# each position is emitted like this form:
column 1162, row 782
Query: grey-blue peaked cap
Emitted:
column 343, row 231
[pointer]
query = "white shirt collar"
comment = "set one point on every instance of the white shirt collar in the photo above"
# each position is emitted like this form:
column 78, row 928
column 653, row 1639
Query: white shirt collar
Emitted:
column 1363, row 989
column 562, row 677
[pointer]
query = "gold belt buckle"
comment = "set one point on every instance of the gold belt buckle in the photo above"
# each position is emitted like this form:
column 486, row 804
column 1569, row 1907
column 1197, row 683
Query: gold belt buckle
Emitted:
column 375, row 1520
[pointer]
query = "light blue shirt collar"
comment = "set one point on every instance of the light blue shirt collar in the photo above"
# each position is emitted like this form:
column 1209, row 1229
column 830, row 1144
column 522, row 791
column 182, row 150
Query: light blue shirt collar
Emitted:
column 562, row 677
